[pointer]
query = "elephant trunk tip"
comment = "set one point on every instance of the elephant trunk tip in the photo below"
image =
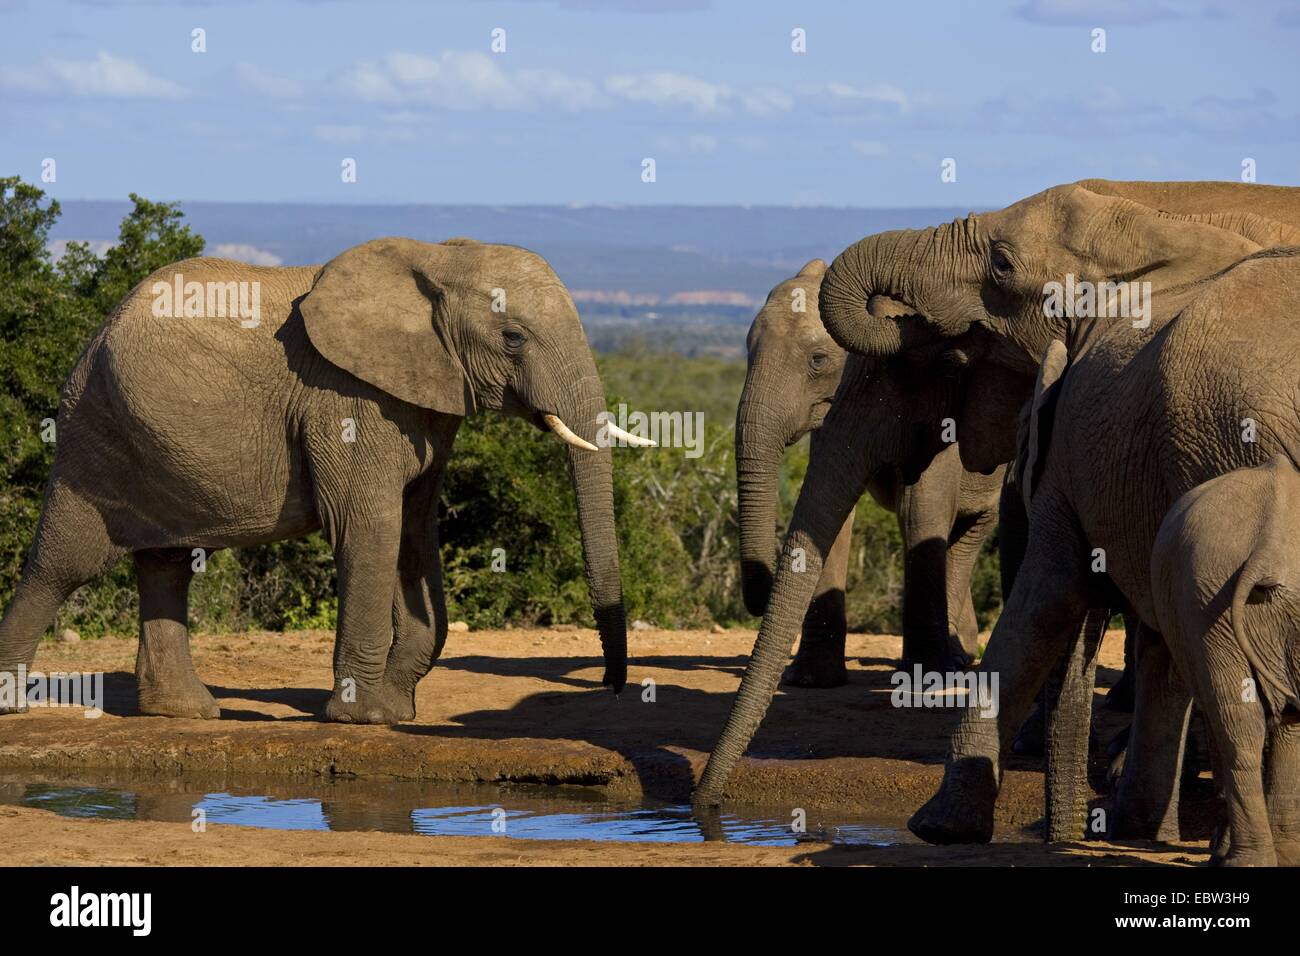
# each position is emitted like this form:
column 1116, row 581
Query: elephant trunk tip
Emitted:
column 756, row 586
column 615, row 678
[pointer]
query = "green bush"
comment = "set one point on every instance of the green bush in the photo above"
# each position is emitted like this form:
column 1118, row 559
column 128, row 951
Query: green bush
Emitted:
column 507, row 485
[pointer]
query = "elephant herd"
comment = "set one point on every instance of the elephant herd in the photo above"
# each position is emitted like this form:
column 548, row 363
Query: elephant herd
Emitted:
column 1109, row 369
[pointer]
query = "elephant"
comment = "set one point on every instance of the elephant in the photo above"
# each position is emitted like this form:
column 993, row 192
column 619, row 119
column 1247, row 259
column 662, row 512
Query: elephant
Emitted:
column 1223, row 581
column 328, row 399
column 875, row 436
column 961, row 308
column 794, row 369
column 987, row 291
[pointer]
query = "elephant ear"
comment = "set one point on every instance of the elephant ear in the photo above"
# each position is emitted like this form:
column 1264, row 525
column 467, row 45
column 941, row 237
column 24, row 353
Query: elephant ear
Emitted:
column 380, row 312
column 986, row 432
column 1042, row 408
column 813, row 268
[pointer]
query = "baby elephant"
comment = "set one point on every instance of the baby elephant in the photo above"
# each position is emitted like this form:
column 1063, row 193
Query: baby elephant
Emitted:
column 1224, row 575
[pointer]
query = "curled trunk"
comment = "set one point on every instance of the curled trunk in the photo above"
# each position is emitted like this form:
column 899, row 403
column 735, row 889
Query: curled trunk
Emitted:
column 887, row 292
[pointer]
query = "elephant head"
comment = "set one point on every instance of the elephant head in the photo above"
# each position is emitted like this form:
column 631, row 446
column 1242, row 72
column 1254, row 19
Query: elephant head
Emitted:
column 978, row 286
column 460, row 326
column 794, row 369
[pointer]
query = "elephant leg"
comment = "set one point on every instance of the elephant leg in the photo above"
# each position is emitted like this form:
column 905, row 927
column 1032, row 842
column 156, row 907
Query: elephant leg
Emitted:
column 1239, row 731
column 1044, row 612
column 71, row 547
column 819, row 661
column 926, row 512
column 1120, row 696
column 1069, row 726
column 963, row 625
column 1146, row 798
column 1283, row 792
column 419, row 605
column 366, row 540
column 166, row 684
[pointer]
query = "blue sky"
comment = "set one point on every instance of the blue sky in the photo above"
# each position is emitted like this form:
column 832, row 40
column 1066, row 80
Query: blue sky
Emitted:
column 587, row 89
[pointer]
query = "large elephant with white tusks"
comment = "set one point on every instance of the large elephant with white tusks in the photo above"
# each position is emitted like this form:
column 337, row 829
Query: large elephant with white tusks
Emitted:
column 944, row 514
column 227, row 405
column 990, row 293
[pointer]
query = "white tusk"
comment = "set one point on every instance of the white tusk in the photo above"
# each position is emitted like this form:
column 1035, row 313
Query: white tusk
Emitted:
column 564, row 432
column 636, row 441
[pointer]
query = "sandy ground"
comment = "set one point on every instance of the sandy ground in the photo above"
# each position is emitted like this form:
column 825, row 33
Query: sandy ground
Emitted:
column 520, row 707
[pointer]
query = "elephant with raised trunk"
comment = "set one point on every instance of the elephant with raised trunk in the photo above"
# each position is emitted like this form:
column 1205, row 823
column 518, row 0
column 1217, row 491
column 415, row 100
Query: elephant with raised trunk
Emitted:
column 331, row 404
column 985, row 293
column 794, row 371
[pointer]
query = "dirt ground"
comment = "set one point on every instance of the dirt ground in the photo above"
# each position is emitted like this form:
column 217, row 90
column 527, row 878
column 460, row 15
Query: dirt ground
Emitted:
column 521, row 707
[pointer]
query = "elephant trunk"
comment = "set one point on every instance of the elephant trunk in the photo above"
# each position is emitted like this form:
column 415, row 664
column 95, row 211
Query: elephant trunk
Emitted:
column 875, row 293
column 827, row 497
column 759, row 448
column 593, row 487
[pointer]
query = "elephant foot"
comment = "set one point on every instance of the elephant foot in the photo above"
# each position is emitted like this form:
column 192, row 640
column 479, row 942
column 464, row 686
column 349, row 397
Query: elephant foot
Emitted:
column 1235, row 857
column 1220, row 844
column 1138, row 823
column 1032, row 738
column 822, row 674
column 819, row 663
column 384, row 705
column 1287, row 850
column 962, row 810
column 188, row 697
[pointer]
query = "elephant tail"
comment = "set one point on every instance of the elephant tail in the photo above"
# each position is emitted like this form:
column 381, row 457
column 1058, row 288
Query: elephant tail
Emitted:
column 1261, row 576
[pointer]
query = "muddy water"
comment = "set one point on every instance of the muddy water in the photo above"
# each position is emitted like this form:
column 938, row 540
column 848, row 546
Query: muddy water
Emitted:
column 541, row 813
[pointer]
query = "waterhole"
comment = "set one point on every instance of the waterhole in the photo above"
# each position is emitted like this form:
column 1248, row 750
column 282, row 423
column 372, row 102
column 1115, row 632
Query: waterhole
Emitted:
column 432, row 809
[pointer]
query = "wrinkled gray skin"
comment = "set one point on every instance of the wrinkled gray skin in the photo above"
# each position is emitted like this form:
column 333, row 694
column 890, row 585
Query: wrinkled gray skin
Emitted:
column 973, row 291
column 336, row 412
column 1224, row 575
column 794, row 370
column 883, row 432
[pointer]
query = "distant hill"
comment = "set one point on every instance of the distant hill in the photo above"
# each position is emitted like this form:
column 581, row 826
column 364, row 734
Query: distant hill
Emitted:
column 686, row 278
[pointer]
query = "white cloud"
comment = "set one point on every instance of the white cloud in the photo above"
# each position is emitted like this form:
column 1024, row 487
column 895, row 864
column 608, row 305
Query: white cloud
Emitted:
column 256, row 80
column 701, row 96
column 670, row 89
column 245, row 253
column 59, row 247
column 105, row 75
column 460, row 80
column 882, row 93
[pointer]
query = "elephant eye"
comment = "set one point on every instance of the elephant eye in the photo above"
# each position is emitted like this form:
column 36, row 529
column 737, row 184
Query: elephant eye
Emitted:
column 1001, row 263
column 513, row 338
column 818, row 361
